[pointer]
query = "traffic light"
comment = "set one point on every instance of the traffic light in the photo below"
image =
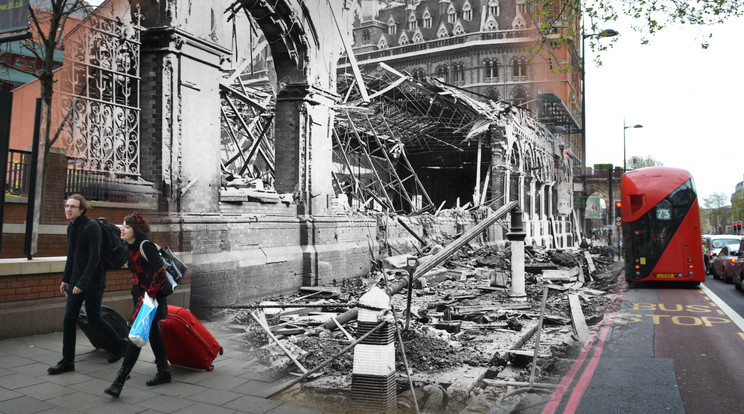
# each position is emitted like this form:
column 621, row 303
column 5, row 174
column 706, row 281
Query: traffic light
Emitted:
column 737, row 226
column 618, row 210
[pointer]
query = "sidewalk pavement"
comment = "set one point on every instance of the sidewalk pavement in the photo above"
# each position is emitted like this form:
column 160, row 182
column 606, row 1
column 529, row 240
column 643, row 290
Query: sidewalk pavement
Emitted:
column 234, row 386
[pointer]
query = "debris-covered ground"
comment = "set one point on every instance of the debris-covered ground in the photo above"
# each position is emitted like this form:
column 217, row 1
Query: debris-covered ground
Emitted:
column 462, row 321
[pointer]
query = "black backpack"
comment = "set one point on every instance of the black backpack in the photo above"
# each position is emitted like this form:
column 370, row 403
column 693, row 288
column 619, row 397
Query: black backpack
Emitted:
column 113, row 249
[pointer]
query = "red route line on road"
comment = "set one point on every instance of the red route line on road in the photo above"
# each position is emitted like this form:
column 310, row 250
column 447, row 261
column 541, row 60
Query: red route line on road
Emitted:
column 586, row 376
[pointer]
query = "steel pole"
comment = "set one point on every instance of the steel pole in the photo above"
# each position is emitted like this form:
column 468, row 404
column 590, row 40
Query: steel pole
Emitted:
column 583, row 133
column 625, row 128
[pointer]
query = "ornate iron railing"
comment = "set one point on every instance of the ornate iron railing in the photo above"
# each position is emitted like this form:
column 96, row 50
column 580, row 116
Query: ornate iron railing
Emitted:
column 100, row 95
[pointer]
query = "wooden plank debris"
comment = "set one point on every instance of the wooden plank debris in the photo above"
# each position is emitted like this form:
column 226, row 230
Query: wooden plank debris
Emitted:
column 593, row 292
column 261, row 323
column 590, row 262
column 577, row 317
column 323, row 291
column 348, row 335
column 559, row 275
column 501, row 383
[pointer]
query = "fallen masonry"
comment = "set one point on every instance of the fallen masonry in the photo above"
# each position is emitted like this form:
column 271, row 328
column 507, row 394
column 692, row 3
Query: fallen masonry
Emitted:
column 463, row 347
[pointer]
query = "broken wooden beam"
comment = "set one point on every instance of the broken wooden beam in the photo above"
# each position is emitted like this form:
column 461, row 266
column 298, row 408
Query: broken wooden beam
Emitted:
column 501, row 383
column 275, row 339
column 410, row 230
column 281, row 387
column 453, row 247
column 435, row 260
column 577, row 317
column 590, row 263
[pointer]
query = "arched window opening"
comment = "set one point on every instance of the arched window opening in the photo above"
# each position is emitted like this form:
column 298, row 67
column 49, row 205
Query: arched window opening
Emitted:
column 451, row 14
column 491, row 70
column 467, row 12
column 493, row 8
column 427, row 20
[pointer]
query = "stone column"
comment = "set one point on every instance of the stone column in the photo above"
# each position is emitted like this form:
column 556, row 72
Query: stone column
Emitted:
column 531, row 224
column 180, row 119
column 516, row 237
column 499, row 168
column 304, row 147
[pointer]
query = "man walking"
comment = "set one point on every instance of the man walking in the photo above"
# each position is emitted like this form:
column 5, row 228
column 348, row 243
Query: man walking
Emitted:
column 83, row 280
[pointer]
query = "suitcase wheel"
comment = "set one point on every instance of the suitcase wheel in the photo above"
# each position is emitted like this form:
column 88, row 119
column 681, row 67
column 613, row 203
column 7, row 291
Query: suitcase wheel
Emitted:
column 210, row 368
column 221, row 350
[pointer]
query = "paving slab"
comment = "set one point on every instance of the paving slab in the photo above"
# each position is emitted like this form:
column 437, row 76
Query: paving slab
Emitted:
column 236, row 385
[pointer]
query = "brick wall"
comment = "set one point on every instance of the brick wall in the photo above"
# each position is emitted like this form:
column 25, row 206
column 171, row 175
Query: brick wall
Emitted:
column 53, row 236
column 46, row 285
column 241, row 259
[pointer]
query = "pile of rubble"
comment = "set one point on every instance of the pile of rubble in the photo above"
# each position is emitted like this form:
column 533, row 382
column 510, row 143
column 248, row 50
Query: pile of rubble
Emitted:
column 466, row 342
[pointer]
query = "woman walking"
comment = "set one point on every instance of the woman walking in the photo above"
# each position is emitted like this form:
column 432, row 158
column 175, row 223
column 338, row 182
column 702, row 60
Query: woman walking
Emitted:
column 148, row 277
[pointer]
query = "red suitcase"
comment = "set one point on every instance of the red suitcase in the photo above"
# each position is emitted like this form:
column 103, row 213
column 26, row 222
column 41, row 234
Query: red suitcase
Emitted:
column 187, row 342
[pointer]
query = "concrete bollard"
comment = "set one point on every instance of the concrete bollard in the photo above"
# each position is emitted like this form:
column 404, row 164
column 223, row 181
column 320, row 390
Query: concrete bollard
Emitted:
column 373, row 386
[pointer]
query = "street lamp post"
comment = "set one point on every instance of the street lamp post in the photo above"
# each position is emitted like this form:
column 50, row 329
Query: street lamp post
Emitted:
column 584, row 36
column 625, row 128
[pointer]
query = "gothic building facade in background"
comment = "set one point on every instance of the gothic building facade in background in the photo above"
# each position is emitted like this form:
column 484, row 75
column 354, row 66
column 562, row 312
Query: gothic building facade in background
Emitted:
column 484, row 46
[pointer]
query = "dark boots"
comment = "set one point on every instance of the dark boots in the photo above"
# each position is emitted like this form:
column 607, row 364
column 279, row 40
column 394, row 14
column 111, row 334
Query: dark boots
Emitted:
column 163, row 376
column 62, row 366
column 164, row 373
column 115, row 389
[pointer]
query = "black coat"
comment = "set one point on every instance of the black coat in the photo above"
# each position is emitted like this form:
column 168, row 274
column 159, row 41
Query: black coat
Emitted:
column 84, row 266
column 148, row 275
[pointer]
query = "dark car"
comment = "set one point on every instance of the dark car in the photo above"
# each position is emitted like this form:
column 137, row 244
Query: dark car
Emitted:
column 722, row 264
column 739, row 267
column 714, row 243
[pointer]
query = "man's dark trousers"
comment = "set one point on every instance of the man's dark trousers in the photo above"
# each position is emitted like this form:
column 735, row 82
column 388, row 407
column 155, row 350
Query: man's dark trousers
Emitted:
column 92, row 295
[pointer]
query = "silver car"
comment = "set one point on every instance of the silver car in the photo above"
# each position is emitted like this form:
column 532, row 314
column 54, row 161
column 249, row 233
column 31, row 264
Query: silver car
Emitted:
column 714, row 244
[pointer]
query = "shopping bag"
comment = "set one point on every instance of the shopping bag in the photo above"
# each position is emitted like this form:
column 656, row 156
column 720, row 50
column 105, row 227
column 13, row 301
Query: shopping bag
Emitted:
column 140, row 332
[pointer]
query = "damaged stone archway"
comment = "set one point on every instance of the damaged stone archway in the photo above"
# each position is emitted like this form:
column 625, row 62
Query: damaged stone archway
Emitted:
column 303, row 54
column 185, row 63
column 598, row 180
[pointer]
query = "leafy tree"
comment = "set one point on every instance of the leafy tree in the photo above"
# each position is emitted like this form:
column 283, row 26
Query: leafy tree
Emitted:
column 650, row 17
column 636, row 162
column 48, row 20
column 737, row 206
column 719, row 212
column 570, row 22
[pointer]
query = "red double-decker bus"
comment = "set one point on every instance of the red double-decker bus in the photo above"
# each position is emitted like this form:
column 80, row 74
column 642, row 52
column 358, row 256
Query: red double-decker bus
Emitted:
column 661, row 226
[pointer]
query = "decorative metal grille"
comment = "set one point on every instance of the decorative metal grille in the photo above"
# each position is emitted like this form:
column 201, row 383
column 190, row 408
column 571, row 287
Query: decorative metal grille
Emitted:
column 99, row 95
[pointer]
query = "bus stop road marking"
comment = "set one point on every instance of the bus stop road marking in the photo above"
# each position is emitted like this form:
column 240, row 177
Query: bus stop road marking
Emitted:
column 735, row 317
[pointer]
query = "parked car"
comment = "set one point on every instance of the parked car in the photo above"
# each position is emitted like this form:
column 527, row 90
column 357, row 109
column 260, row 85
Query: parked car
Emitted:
column 723, row 262
column 714, row 243
column 739, row 267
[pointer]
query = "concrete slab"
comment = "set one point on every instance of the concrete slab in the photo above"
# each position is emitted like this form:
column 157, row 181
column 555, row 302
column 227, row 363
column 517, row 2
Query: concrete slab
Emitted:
column 237, row 383
column 25, row 405
column 44, row 391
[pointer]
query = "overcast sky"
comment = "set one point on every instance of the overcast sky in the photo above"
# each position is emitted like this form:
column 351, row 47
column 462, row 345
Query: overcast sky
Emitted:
column 689, row 101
